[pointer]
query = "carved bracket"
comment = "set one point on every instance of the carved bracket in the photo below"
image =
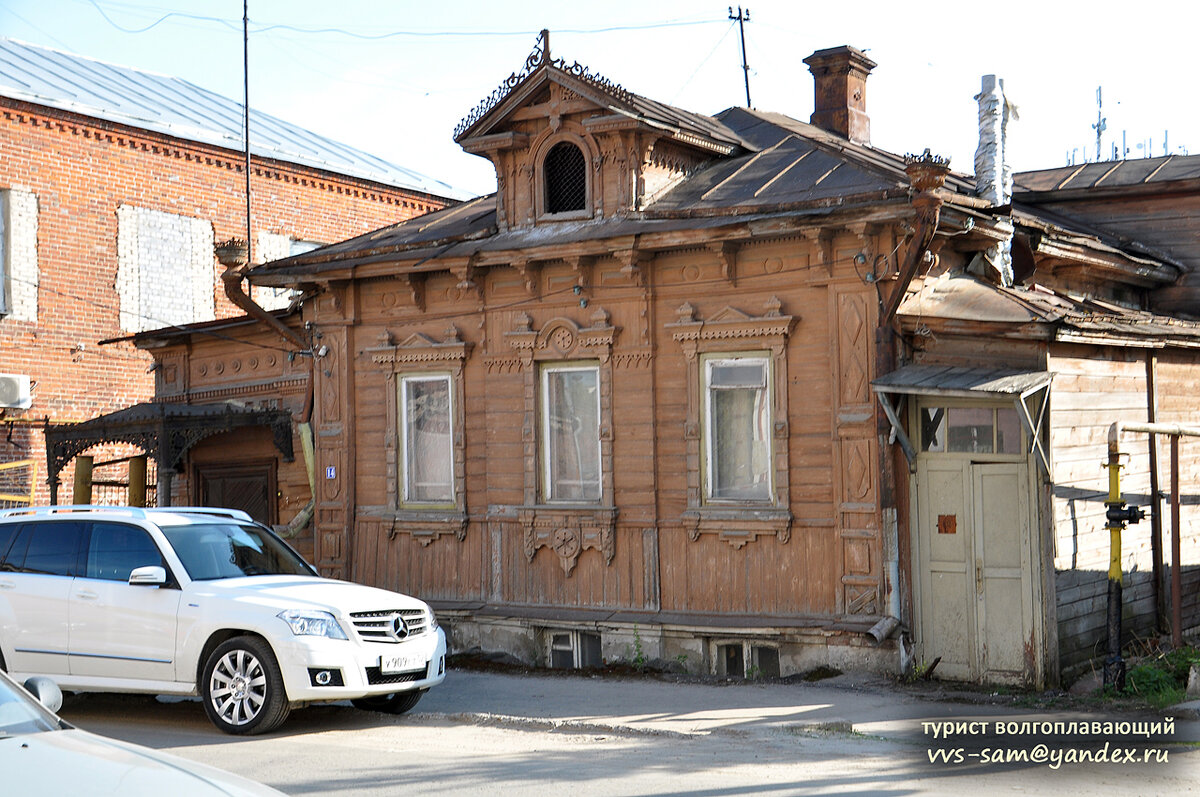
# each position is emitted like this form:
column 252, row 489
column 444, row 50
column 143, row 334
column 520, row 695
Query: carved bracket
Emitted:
column 738, row 527
column 427, row 527
column 726, row 252
column 569, row 532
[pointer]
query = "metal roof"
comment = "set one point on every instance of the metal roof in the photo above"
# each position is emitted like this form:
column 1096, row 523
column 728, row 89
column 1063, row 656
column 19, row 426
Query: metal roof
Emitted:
column 1109, row 174
column 961, row 381
column 174, row 107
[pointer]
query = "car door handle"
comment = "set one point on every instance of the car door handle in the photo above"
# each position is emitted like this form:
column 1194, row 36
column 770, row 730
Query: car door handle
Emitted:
column 7, row 585
column 87, row 595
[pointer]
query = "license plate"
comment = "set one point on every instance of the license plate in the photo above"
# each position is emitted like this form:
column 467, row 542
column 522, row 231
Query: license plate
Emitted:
column 395, row 664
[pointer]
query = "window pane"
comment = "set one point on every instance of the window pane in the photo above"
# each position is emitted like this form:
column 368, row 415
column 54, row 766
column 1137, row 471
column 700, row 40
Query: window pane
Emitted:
column 428, row 443
column 572, row 424
column 116, row 549
column 53, row 549
column 738, row 375
column 739, row 429
column 970, row 429
column 1009, row 435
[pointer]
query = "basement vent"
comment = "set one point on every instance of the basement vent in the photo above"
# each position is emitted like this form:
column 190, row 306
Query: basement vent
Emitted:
column 731, row 660
column 565, row 171
column 573, row 650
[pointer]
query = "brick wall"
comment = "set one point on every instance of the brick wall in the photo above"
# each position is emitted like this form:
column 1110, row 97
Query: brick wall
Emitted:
column 80, row 184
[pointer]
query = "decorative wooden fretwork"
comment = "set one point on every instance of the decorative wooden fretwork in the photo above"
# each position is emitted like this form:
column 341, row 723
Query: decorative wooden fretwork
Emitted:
column 419, row 354
column 567, row 529
column 733, row 331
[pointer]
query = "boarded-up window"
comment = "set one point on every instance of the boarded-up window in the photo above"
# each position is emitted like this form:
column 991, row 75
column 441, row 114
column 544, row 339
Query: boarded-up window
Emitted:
column 571, row 433
column 427, row 439
column 738, row 428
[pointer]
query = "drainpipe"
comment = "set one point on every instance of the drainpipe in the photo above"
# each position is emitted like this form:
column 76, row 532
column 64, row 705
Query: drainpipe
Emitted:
column 234, row 255
column 927, row 173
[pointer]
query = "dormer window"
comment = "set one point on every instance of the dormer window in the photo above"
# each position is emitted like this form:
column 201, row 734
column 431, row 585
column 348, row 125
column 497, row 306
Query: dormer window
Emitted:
column 564, row 171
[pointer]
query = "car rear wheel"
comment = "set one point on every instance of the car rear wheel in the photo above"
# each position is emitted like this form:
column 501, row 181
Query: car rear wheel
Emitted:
column 243, row 687
column 395, row 703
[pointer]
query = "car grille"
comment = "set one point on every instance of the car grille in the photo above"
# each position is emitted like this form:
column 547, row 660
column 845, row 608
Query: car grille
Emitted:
column 374, row 676
column 380, row 626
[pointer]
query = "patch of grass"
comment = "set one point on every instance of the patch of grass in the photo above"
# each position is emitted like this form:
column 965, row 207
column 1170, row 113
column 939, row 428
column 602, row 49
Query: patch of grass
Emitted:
column 1161, row 679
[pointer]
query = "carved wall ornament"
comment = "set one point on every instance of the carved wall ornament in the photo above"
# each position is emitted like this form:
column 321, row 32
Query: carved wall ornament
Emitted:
column 569, row 532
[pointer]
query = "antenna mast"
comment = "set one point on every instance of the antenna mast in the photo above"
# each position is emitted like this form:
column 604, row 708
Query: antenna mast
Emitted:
column 741, row 20
column 1101, row 123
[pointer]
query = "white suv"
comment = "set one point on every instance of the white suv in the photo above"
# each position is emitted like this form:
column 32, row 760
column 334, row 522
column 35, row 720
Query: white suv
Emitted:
column 204, row 601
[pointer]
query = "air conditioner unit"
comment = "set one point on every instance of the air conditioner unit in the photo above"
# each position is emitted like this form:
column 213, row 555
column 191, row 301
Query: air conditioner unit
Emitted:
column 14, row 392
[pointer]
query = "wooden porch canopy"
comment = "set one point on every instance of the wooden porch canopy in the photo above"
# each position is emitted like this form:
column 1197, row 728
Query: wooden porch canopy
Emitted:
column 164, row 431
column 962, row 382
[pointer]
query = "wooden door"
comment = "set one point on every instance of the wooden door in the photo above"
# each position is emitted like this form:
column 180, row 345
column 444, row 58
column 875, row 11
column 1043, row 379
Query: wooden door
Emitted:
column 976, row 586
column 250, row 488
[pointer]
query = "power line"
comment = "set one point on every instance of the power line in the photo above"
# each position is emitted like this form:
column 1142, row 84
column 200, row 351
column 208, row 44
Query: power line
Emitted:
column 266, row 28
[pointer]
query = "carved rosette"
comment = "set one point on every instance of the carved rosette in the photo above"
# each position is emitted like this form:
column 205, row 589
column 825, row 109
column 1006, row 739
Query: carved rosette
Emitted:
column 569, row 532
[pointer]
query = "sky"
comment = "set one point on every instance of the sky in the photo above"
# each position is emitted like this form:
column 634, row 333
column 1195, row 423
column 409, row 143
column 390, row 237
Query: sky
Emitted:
column 394, row 77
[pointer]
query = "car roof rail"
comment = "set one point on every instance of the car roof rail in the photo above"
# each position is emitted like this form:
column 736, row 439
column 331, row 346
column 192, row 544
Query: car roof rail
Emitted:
column 235, row 514
column 66, row 509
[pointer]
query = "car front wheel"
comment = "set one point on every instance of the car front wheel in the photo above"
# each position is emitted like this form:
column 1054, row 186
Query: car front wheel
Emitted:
column 395, row 703
column 243, row 687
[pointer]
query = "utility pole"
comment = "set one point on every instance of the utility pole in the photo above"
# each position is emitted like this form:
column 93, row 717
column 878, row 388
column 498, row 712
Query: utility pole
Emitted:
column 246, row 114
column 742, row 19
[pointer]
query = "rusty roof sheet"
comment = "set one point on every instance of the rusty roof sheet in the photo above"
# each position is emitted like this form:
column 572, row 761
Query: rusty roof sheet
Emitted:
column 961, row 297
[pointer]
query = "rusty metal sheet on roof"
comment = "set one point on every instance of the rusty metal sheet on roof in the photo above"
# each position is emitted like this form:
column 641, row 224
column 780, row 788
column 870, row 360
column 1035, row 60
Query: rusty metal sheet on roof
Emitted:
column 961, row 382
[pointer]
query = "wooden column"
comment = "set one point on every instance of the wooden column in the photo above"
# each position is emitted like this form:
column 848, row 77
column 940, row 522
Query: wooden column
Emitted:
column 82, row 492
column 137, row 481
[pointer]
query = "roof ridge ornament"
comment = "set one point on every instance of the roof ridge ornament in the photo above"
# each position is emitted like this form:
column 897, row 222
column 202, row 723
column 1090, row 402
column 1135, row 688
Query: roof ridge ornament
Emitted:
column 538, row 58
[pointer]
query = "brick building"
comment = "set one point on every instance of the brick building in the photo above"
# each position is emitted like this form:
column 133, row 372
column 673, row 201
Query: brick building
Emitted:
column 114, row 186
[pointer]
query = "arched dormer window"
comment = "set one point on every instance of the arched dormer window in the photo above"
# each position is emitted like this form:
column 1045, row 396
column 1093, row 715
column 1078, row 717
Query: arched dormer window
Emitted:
column 564, row 172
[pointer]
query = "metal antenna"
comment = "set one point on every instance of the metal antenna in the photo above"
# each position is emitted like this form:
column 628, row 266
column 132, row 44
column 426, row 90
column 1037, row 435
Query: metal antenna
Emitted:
column 742, row 19
column 1101, row 123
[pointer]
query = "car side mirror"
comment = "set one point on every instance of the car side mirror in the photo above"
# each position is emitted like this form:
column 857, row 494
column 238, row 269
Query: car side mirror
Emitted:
column 149, row 576
column 46, row 691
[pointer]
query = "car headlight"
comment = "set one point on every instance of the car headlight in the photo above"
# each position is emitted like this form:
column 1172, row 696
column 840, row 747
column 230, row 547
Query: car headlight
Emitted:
column 433, row 623
column 313, row 623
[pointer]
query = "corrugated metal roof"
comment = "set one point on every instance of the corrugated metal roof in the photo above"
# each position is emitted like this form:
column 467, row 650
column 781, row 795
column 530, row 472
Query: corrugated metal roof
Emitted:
column 177, row 108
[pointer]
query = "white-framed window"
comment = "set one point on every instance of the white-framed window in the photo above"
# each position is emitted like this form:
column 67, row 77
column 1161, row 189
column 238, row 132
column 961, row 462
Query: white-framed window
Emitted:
column 426, row 439
column 570, row 410
column 737, row 428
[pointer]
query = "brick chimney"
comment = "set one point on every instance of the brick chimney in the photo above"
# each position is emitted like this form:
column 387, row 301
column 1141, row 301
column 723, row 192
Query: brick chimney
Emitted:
column 840, row 77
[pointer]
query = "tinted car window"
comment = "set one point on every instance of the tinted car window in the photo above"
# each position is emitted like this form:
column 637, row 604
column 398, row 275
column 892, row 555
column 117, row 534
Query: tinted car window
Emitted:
column 7, row 534
column 53, row 548
column 230, row 550
column 115, row 549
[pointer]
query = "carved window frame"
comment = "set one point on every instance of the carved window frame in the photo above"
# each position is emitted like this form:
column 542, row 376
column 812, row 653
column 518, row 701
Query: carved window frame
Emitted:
column 708, row 433
column 730, row 333
column 567, row 529
column 541, row 150
column 419, row 355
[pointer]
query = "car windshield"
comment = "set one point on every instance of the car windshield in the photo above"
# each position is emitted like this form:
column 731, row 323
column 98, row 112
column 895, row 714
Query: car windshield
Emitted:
column 21, row 714
column 211, row 551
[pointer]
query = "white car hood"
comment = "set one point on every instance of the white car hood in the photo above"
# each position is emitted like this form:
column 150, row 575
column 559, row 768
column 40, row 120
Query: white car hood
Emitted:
column 297, row 592
column 78, row 762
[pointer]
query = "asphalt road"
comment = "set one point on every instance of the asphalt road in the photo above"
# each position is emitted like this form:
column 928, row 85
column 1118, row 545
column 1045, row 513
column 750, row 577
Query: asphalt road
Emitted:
column 545, row 734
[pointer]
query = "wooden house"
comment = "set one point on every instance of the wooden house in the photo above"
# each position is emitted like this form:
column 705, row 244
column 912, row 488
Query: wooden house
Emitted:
column 739, row 392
